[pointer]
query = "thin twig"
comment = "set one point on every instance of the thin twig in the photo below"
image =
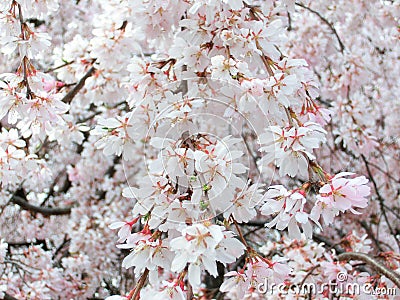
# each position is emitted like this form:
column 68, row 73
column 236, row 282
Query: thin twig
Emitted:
column 308, row 274
column 240, row 234
column 24, row 59
column 251, row 154
column 380, row 198
column 381, row 269
column 371, row 235
column 189, row 295
column 72, row 93
column 321, row 239
column 59, row 67
column 326, row 22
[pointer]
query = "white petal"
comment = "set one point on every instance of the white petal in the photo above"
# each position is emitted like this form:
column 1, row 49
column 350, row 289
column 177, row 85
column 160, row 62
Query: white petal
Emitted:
column 194, row 275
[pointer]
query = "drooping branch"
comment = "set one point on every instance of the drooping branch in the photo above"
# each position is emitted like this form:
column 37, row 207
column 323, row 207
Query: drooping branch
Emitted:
column 332, row 28
column 380, row 199
column 72, row 93
column 381, row 269
column 46, row 211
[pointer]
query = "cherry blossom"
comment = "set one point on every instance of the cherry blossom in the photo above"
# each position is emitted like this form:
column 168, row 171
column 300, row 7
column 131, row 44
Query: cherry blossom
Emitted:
column 204, row 245
column 289, row 207
column 341, row 194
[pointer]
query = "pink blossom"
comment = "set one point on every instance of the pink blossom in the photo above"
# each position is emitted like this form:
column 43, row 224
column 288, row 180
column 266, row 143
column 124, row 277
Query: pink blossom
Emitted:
column 345, row 193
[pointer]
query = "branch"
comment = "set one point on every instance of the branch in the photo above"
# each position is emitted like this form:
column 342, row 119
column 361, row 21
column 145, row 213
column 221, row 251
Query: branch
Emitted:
column 371, row 235
column 316, row 237
column 9, row 297
column 46, row 211
column 256, row 223
column 189, row 295
column 249, row 150
column 380, row 199
column 308, row 274
column 27, row 244
column 321, row 239
column 25, row 59
column 67, row 63
column 140, row 284
column 96, row 113
column 72, row 93
column 326, row 22
column 381, row 269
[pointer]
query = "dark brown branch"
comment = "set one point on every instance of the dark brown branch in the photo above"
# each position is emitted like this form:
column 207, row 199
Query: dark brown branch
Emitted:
column 381, row 269
column 51, row 190
column 65, row 242
column 256, row 223
column 9, row 297
column 72, row 93
column 289, row 28
column 46, row 211
column 326, row 22
column 36, row 22
column 27, row 244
